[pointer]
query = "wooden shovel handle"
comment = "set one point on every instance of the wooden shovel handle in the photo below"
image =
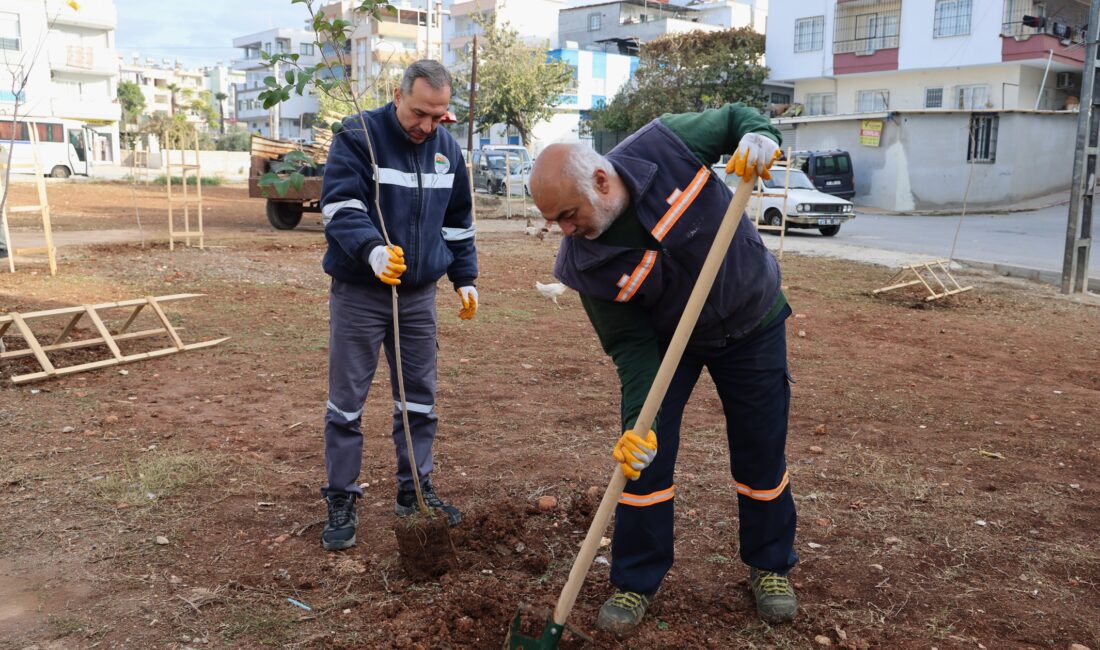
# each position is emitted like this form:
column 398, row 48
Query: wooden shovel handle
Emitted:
column 656, row 395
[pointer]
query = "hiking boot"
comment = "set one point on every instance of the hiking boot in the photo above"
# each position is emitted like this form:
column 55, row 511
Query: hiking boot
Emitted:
column 406, row 504
column 339, row 532
column 623, row 612
column 775, row 600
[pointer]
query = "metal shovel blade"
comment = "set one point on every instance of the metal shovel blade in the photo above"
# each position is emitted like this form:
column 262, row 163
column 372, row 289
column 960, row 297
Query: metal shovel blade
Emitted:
column 548, row 640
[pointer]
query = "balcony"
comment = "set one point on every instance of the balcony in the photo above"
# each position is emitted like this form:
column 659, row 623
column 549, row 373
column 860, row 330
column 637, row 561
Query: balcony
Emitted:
column 866, row 36
column 79, row 59
column 403, row 31
column 92, row 110
column 93, row 14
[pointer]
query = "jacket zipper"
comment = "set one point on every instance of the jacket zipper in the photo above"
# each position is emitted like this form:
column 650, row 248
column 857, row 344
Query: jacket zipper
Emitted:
column 416, row 217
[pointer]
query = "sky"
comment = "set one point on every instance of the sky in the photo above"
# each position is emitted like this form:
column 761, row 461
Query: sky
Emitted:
column 197, row 32
column 201, row 32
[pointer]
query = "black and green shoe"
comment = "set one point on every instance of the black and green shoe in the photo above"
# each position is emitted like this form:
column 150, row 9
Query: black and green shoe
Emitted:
column 774, row 594
column 622, row 613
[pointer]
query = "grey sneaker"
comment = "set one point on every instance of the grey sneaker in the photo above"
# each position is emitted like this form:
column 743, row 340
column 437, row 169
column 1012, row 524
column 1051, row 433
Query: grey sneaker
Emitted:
column 622, row 613
column 339, row 531
column 775, row 599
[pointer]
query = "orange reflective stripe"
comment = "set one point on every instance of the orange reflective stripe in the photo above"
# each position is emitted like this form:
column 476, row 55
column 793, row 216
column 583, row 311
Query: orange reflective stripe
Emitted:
column 637, row 277
column 763, row 495
column 643, row 500
column 685, row 199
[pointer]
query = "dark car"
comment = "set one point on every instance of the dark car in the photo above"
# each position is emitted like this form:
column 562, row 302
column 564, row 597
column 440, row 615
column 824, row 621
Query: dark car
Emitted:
column 830, row 171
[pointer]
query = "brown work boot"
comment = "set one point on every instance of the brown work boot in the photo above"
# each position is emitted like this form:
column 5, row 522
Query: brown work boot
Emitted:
column 622, row 613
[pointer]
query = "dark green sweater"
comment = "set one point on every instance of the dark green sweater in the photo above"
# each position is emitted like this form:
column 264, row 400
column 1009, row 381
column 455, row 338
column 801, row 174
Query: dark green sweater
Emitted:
column 624, row 328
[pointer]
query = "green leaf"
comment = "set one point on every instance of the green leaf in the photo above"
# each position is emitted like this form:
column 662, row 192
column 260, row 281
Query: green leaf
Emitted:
column 289, row 76
column 281, row 186
column 299, row 157
column 271, row 81
column 336, row 127
column 661, row 625
column 296, row 181
column 302, row 81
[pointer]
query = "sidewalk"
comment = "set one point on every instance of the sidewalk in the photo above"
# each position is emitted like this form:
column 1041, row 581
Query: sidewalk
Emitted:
column 1030, row 205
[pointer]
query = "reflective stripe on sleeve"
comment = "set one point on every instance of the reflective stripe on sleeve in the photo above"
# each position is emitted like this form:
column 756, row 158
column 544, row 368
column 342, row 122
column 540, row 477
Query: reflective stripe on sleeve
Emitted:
column 458, row 234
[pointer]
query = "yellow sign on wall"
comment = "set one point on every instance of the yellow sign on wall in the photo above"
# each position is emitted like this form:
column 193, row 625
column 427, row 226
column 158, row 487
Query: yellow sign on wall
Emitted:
column 870, row 132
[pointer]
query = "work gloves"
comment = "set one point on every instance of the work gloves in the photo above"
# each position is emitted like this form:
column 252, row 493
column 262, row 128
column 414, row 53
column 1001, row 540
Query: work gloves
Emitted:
column 755, row 154
column 635, row 453
column 388, row 263
column 468, row 295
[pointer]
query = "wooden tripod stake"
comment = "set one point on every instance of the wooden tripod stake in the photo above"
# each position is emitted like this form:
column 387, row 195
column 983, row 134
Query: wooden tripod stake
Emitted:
column 106, row 338
column 43, row 208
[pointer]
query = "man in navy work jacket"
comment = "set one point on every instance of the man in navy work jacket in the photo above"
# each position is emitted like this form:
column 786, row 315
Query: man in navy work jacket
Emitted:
column 638, row 225
column 424, row 193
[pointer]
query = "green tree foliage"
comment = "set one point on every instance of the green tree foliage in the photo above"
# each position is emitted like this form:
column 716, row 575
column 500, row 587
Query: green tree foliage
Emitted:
column 132, row 101
column 682, row 73
column 516, row 85
column 235, row 139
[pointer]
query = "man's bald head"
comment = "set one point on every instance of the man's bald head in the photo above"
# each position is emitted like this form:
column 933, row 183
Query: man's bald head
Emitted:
column 578, row 188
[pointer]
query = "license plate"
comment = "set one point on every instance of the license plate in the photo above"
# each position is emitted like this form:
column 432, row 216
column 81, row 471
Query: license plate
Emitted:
column 826, row 222
column 832, row 182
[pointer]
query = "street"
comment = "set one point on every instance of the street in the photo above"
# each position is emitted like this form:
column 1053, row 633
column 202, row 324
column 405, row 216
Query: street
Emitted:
column 1026, row 240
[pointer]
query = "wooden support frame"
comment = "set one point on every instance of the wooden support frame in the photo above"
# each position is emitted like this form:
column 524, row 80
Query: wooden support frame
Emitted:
column 36, row 349
column 42, row 207
column 179, row 141
column 934, row 276
column 760, row 192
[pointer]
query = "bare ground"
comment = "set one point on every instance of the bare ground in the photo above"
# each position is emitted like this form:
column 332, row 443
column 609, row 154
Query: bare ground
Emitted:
column 942, row 457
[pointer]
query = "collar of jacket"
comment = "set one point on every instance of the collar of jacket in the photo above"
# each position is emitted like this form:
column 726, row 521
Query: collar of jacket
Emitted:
column 636, row 174
column 391, row 117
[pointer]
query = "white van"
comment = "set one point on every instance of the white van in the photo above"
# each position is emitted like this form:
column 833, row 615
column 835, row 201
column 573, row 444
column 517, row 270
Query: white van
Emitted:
column 61, row 149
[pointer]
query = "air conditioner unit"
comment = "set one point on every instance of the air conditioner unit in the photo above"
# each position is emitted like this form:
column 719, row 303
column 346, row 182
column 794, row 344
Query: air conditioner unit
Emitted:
column 1065, row 80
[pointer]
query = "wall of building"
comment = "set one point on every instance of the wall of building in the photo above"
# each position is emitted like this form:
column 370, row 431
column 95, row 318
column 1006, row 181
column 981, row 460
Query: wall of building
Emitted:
column 906, row 89
column 921, row 163
column 784, row 62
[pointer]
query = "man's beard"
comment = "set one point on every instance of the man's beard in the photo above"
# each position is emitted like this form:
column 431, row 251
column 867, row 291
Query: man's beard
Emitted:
column 605, row 210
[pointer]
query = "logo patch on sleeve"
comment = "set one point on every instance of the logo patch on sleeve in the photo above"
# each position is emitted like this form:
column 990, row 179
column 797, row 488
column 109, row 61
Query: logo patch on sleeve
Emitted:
column 442, row 165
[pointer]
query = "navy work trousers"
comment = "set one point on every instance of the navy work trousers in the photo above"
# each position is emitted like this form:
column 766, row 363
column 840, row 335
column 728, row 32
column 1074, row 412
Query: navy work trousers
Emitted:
column 360, row 323
column 752, row 381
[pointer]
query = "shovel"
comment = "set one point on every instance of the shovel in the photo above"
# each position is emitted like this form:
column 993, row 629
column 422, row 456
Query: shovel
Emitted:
column 551, row 634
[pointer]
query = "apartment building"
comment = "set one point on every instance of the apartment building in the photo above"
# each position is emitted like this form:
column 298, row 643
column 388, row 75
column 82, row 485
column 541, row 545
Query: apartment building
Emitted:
column 380, row 49
column 954, row 89
column 167, row 87
column 536, row 22
column 623, row 25
column 220, row 79
column 74, row 75
column 290, row 119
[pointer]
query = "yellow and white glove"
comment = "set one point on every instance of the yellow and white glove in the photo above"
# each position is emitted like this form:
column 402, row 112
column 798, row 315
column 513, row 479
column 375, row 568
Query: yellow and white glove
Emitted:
column 635, row 453
column 468, row 296
column 755, row 154
column 388, row 263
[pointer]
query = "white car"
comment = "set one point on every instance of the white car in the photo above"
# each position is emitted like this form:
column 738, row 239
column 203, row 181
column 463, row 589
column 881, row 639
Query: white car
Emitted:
column 807, row 207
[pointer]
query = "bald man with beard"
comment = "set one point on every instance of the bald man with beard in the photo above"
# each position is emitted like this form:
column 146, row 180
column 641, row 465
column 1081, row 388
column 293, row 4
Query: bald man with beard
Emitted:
column 637, row 227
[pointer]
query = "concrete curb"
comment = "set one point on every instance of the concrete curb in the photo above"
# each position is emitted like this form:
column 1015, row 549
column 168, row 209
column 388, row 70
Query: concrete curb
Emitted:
column 957, row 211
column 1035, row 275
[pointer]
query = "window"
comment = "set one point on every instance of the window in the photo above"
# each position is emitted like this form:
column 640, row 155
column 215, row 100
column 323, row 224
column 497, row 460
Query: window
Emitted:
column 830, row 165
column 306, row 49
column 267, row 48
column 933, row 97
column 876, row 31
column 821, row 104
column 780, row 98
column 971, row 97
column 809, row 34
column 9, row 31
column 872, row 101
column 595, row 22
column 983, row 139
column 952, row 18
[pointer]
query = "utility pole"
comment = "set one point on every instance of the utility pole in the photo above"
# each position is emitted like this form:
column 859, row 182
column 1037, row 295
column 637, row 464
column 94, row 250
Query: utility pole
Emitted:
column 473, row 97
column 1075, row 267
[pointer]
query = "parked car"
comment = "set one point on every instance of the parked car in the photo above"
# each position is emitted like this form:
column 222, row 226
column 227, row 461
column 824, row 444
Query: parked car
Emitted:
column 806, row 206
column 491, row 175
column 513, row 151
column 829, row 171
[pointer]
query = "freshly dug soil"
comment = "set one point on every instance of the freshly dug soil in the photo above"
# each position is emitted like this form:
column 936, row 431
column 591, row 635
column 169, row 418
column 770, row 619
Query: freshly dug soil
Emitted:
column 424, row 544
